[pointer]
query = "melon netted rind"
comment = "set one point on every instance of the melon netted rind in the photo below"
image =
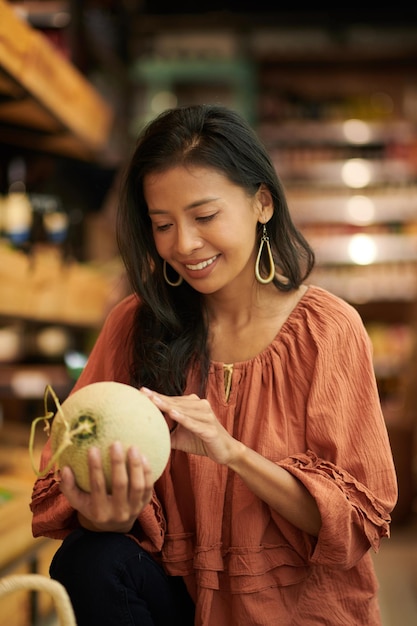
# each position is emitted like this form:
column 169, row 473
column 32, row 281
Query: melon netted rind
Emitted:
column 121, row 413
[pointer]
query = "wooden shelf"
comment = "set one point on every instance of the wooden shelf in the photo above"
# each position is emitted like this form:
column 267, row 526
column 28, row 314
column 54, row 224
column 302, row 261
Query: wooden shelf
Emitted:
column 29, row 381
column 388, row 204
column 45, row 102
column 335, row 132
column 45, row 287
column 386, row 248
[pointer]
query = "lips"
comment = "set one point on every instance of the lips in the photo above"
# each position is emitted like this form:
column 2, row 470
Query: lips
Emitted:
column 202, row 265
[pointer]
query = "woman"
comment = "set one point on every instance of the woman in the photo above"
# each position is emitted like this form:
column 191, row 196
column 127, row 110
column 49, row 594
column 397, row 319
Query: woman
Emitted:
column 281, row 478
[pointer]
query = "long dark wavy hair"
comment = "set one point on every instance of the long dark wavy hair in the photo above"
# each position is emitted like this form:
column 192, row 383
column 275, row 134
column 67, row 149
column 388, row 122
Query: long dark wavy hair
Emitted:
column 170, row 330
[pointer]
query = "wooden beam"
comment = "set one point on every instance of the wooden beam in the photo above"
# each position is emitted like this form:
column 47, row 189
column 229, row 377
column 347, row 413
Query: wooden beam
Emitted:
column 52, row 81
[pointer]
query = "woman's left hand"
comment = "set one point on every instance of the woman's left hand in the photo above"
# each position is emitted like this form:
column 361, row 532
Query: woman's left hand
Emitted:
column 197, row 430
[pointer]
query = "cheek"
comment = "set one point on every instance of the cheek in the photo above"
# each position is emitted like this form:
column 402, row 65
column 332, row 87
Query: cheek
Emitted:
column 241, row 237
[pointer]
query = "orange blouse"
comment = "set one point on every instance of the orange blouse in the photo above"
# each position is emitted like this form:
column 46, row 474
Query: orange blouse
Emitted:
column 309, row 403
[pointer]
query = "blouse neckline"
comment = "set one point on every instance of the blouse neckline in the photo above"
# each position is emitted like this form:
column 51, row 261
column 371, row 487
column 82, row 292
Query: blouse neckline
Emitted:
column 293, row 313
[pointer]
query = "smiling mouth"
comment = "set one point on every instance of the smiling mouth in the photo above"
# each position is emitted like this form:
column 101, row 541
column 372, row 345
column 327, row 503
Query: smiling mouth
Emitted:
column 202, row 265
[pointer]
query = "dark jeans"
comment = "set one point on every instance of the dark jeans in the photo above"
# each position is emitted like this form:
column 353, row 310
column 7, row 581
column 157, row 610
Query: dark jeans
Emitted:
column 112, row 581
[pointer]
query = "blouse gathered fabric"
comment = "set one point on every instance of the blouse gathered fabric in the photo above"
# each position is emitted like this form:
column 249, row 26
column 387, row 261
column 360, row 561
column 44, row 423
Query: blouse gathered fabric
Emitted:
column 309, row 403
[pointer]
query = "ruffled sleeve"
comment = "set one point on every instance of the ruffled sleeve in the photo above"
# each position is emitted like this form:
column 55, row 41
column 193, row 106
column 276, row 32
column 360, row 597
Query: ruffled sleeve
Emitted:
column 52, row 515
column 348, row 465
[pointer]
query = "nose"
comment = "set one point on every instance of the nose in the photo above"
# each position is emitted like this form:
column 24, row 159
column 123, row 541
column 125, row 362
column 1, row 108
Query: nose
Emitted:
column 187, row 240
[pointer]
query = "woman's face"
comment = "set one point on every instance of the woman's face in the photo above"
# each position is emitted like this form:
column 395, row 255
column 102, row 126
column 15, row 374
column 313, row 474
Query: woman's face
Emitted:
column 204, row 226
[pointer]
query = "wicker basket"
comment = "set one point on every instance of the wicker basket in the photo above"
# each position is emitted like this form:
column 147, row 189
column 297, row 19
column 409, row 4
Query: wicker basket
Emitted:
column 38, row 582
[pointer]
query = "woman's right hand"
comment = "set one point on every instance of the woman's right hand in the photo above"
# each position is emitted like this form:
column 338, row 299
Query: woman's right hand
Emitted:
column 132, row 485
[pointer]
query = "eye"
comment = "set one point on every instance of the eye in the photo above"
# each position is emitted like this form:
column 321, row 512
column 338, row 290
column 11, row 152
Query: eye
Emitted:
column 206, row 218
column 161, row 227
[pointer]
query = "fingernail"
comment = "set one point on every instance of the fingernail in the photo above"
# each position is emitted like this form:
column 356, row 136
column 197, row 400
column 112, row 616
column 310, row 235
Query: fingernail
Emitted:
column 134, row 453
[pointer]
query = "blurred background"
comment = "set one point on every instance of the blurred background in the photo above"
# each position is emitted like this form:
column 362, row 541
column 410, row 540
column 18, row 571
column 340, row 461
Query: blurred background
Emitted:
column 332, row 93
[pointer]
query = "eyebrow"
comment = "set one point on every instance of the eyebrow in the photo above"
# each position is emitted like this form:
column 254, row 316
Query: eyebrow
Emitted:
column 193, row 205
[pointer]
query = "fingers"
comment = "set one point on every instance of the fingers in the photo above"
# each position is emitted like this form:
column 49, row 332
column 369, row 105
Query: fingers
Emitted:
column 117, row 504
column 96, row 472
column 141, row 478
column 175, row 406
column 131, row 476
column 67, row 478
column 162, row 402
column 67, row 483
column 118, row 471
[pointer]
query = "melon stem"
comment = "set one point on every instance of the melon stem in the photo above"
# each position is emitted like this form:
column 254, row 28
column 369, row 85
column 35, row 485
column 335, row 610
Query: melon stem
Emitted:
column 69, row 435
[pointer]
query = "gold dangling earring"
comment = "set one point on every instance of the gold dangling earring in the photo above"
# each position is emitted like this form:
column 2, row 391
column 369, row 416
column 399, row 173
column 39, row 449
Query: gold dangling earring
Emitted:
column 265, row 242
column 164, row 270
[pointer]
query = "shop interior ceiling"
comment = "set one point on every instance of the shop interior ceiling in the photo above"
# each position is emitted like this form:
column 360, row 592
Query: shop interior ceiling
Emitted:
column 40, row 88
column 100, row 38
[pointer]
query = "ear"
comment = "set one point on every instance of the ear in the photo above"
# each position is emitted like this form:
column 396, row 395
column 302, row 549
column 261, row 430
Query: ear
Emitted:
column 264, row 204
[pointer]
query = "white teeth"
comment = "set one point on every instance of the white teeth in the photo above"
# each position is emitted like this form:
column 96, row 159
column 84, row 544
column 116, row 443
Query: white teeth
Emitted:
column 201, row 266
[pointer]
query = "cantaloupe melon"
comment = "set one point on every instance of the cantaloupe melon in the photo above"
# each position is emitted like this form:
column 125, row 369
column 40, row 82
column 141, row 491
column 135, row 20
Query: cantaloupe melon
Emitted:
column 99, row 414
